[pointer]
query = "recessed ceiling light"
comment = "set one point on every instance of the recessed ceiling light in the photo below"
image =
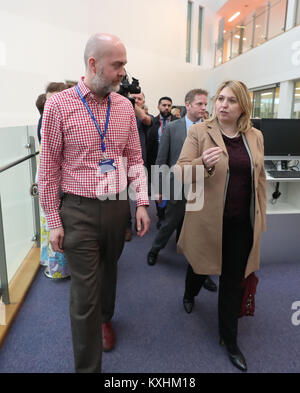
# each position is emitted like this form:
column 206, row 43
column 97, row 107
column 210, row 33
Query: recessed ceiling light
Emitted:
column 234, row 16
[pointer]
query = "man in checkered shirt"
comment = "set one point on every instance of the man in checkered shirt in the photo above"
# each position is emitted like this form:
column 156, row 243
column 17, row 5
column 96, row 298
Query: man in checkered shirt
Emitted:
column 90, row 147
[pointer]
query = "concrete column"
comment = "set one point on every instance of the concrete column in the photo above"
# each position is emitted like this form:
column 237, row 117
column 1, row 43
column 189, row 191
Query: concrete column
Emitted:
column 285, row 99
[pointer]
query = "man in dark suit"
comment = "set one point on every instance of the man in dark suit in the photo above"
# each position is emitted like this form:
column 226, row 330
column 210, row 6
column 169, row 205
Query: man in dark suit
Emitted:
column 170, row 146
column 143, row 121
column 155, row 132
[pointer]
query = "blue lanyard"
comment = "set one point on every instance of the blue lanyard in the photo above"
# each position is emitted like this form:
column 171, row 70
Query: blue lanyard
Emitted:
column 102, row 135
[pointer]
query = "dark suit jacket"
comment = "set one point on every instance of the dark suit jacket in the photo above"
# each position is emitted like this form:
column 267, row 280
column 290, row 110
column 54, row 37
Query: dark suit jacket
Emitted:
column 170, row 147
column 152, row 141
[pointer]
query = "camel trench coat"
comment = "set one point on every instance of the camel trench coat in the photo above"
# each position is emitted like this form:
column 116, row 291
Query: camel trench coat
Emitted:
column 201, row 235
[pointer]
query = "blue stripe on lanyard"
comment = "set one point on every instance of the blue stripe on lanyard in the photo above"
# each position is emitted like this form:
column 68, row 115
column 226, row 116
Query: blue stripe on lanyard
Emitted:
column 102, row 135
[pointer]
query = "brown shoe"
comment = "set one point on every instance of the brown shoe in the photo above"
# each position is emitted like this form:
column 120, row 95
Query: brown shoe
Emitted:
column 128, row 235
column 108, row 337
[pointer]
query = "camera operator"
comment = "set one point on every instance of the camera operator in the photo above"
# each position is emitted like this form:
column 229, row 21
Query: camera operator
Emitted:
column 132, row 91
column 143, row 121
column 139, row 108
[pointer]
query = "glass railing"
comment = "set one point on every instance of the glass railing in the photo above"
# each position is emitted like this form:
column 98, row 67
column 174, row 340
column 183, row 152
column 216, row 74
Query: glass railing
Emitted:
column 265, row 23
column 19, row 214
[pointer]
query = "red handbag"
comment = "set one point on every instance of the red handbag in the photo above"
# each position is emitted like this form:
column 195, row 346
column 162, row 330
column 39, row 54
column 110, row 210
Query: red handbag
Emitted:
column 249, row 285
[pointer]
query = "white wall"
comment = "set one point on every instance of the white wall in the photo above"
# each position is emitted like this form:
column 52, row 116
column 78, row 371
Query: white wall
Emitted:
column 44, row 41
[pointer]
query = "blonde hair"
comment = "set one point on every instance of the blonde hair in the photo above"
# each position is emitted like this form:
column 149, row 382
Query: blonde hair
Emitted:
column 241, row 92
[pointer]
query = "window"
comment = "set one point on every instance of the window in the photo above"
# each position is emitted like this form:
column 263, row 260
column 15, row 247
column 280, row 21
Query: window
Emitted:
column 297, row 18
column 189, row 32
column 296, row 102
column 265, row 103
column 200, row 22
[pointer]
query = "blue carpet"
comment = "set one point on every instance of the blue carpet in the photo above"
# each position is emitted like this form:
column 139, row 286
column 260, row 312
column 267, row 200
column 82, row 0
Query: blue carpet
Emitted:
column 154, row 334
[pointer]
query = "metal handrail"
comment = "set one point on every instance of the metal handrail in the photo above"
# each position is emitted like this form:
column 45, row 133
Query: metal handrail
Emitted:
column 4, row 287
column 6, row 167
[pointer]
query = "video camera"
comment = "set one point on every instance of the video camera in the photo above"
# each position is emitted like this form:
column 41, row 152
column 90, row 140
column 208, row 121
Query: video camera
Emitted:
column 127, row 88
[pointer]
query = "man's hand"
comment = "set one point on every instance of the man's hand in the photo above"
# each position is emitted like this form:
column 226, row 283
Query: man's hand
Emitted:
column 56, row 239
column 142, row 221
column 158, row 198
column 140, row 114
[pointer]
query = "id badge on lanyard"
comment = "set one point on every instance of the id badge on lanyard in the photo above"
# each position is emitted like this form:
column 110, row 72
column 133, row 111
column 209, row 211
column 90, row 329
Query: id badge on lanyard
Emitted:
column 106, row 164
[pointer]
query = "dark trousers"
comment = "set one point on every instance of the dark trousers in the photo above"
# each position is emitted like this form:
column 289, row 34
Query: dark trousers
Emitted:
column 173, row 220
column 236, row 246
column 93, row 242
column 160, row 212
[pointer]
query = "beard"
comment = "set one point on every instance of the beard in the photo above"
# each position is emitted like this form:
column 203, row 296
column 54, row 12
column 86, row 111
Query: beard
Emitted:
column 101, row 87
column 165, row 114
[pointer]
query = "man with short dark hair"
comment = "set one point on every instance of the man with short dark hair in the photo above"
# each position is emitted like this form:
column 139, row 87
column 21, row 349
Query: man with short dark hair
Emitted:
column 169, row 150
column 157, row 128
column 155, row 132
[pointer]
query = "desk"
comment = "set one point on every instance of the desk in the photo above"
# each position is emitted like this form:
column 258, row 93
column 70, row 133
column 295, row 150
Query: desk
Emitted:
column 289, row 200
column 281, row 242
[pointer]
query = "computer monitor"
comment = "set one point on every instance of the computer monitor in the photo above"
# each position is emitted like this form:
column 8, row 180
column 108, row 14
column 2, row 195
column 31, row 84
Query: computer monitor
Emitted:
column 256, row 123
column 281, row 138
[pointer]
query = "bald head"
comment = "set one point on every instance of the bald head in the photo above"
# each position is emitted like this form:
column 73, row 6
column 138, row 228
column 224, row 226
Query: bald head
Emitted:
column 101, row 45
column 105, row 59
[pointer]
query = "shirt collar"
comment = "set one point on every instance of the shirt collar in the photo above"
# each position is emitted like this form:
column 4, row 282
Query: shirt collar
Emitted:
column 86, row 92
column 189, row 122
column 83, row 88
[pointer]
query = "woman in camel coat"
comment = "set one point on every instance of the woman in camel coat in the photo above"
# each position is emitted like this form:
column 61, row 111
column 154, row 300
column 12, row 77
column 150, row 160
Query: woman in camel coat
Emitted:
column 223, row 238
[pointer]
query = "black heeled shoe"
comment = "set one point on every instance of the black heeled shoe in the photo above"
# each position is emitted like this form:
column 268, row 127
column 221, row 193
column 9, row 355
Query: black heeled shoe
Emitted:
column 210, row 285
column 188, row 304
column 235, row 355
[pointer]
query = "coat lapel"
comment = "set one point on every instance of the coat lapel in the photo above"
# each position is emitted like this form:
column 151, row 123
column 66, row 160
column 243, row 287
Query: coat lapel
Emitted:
column 252, row 143
column 215, row 133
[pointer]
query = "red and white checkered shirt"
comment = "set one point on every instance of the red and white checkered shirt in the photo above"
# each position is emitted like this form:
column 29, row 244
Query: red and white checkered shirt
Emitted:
column 71, row 150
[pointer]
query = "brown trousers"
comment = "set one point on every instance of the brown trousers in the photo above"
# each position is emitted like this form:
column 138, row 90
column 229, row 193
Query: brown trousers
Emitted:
column 93, row 242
